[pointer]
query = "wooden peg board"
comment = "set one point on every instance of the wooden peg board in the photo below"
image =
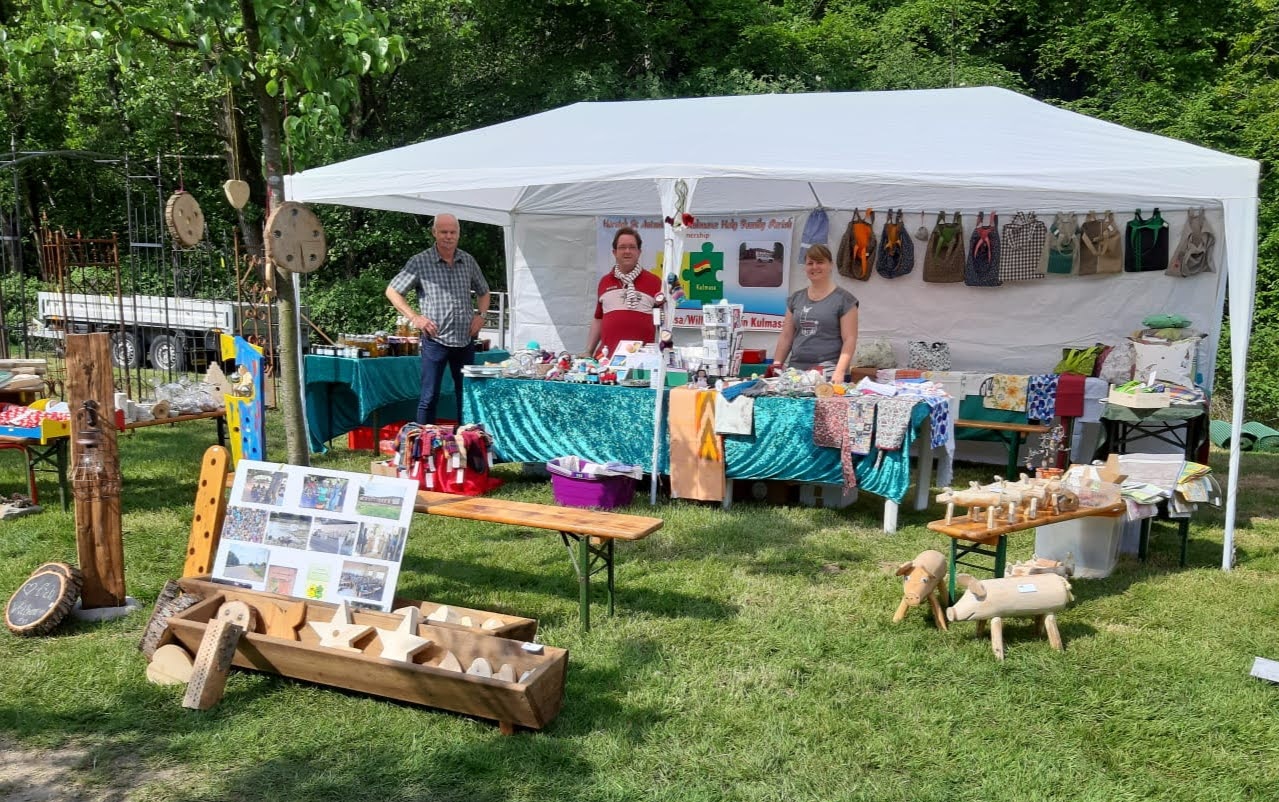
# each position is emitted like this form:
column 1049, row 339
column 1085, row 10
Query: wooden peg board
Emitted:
column 295, row 238
column 210, row 509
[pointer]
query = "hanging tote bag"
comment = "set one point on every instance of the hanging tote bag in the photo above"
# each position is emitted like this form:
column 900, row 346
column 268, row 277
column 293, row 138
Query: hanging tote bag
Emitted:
column 1063, row 245
column 896, row 249
column 982, row 269
column 1194, row 253
column 1147, row 244
column 856, row 257
column 944, row 260
column 1021, row 248
column 1100, row 246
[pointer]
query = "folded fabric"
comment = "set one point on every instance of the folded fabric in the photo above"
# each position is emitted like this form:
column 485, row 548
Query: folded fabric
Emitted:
column 1070, row 395
column 892, row 419
column 1165, row 321
column 735, row 416
column 1007, row 393
column 861, row 424
column 878, row 388
column 830, row 421
column 1041, row 397
column 1096, row 391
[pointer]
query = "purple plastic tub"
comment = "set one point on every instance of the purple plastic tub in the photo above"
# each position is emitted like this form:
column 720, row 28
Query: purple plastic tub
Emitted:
column 601, row 492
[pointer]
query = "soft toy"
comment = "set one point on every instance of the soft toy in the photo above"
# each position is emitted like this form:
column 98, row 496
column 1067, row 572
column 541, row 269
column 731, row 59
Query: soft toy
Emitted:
column 922, row 577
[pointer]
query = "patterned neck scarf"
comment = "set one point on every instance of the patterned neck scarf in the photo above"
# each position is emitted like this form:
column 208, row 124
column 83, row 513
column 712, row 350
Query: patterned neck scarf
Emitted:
column 628, row 281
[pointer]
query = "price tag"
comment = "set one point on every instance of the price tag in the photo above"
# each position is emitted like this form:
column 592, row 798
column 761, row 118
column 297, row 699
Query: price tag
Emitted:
column 1027, row 589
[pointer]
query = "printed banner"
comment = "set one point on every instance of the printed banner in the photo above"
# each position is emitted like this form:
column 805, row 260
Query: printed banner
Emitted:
column 742, row 260
column 315, row 533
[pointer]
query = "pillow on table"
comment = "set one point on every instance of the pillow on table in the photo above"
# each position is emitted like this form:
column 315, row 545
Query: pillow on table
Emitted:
column 1116, row 363
column 1171, row 362
column 877, row 353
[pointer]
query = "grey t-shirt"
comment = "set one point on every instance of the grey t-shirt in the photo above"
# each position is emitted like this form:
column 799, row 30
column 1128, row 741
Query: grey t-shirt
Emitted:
column 817, row 337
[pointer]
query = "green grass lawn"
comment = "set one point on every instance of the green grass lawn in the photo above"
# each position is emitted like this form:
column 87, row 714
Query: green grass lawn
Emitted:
column 753, row 656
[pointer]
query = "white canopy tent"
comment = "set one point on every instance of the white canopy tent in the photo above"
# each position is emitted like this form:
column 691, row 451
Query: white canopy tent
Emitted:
column 547, row 178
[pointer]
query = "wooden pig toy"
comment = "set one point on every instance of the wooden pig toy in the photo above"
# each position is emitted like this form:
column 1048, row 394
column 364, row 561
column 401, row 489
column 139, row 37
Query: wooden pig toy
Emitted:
column 922, row 576
column 1039, row 596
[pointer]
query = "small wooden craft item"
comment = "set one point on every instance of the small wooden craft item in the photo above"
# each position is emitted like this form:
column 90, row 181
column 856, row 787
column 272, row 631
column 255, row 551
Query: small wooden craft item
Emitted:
column 44, row 600
column 217, row 650
column 922, row 577
column 505, row 673
column 480, row 668
column 283, row 622
column 237, row 192
column 185, row 219
column 210, row 508
column 342, row 632
column 295, row 238
column 451, row 663
column 1039, row 565
column 170, row 665
column 170, row 602
column 403, row 642
column 1039, row 596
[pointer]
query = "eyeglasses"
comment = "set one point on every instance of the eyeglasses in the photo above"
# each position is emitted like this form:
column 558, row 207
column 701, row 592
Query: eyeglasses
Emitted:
column 627, row 248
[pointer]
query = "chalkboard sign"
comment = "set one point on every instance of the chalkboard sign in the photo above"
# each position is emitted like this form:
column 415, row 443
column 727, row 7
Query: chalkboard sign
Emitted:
column 41, row 603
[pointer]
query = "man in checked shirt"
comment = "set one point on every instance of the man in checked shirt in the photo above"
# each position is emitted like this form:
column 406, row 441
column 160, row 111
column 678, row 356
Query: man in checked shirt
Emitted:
column 444, row 277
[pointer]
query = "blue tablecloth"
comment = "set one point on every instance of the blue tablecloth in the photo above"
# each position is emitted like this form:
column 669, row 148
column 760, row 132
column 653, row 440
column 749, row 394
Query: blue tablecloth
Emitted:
column 342, row 394
column 536, row 421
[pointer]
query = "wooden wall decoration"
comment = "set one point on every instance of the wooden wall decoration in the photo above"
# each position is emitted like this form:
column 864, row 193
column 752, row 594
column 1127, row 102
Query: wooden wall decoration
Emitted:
column 184, row 218
column 295, row 238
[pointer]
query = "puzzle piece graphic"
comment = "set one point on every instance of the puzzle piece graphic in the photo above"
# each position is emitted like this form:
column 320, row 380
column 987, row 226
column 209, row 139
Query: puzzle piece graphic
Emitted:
column 702, row 273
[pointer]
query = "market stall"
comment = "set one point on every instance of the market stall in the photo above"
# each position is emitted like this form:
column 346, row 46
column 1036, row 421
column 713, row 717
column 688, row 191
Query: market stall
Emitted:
column 548, row 178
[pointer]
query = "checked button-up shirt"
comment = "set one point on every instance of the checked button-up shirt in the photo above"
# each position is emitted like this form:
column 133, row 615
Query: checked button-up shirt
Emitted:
column 444, row 292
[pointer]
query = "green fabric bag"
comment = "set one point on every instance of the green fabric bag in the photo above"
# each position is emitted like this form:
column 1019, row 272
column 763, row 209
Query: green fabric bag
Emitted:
column 1079, row 360
column 1165, row 321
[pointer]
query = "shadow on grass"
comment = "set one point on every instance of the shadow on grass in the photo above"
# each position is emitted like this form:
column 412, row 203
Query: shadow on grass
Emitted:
column 443, row 578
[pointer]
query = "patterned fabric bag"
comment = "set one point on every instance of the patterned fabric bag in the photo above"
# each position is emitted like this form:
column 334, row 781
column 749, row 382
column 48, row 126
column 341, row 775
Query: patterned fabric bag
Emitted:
column 1116, row 365
column 896, row 248
column 856, row 257
column 877, row 353
column 1101, row 246
column 929, row 356
column 1147, row 244
column 1022, row 244
column 1194, row 252
column 944, row 260
column 982, row 269
column 1063, row 244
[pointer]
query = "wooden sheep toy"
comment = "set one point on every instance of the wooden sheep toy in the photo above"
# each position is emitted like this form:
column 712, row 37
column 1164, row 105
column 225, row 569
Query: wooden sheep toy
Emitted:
column 922, row 577
column 1039, row 595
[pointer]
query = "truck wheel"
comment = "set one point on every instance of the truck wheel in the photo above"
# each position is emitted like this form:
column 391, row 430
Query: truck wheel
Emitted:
column 166, row 352
column 125, row 352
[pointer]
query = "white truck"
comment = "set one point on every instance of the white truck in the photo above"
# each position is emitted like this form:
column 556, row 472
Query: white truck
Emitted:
column 166, row 331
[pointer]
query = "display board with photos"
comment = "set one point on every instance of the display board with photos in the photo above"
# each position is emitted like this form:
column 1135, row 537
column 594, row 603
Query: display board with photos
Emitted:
column 315, row 533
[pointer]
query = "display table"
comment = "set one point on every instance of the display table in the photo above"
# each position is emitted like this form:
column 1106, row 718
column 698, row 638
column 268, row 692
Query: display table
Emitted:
column 342, row 394
column 537, row 421
column 1185, row 427
column 977, row 535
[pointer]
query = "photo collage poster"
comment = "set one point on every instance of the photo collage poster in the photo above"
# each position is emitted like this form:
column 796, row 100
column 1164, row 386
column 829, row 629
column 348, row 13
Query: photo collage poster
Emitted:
column 315, row 533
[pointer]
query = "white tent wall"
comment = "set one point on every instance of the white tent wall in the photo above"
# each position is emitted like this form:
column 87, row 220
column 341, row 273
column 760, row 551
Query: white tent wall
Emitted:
column 970, row 148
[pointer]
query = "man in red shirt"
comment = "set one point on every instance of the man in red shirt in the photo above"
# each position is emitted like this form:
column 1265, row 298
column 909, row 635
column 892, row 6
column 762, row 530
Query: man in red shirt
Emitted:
column 626, row 298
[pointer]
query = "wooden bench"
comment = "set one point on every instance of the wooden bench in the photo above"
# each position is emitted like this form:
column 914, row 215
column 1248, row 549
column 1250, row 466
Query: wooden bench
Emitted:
column 1010, row 433
column 593, row 532
column 47, row 457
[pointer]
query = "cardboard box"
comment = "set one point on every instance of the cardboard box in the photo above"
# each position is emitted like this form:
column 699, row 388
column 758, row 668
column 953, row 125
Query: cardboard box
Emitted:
column 1139, row 400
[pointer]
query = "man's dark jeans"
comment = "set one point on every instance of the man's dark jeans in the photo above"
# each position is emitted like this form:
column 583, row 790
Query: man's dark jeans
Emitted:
column 434, row 358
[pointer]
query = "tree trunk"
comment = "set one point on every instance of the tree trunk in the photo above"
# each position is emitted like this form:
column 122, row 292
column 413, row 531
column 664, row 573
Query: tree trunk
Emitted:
column 286, row 304
column 289, row 398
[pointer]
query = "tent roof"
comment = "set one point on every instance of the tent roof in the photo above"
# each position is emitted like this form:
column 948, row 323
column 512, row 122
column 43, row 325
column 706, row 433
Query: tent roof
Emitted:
column 921, row 149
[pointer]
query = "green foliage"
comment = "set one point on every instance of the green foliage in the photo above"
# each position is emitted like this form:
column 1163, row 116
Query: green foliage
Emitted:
column 356, row 304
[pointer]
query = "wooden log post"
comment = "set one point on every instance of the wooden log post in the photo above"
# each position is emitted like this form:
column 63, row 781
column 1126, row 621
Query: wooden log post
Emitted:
column 99, row 544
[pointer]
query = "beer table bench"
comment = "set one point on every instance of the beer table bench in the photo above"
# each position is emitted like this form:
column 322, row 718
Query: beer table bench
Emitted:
column 1010, row 433
column 588, row 535
column 43, row 456
column 992, row 542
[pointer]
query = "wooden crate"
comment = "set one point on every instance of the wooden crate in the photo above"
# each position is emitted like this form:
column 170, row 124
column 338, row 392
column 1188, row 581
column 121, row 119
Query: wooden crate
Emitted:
column 533, row 703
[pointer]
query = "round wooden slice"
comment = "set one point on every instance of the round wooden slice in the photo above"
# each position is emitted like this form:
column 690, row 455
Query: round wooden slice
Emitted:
column 65, row 569
column 170, row 665
column 295, row 238
column 41, row 604
column 185, row 219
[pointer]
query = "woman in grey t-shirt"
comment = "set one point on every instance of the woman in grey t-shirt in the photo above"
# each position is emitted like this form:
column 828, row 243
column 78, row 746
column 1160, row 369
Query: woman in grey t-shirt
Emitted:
column 821, row 321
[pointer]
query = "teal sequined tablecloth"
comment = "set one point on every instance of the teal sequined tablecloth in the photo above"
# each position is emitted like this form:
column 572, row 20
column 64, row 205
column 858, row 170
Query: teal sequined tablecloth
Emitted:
column 537, row 421
column 342, row 394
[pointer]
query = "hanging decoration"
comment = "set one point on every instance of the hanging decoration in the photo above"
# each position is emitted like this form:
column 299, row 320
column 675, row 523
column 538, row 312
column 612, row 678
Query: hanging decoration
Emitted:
column 295, row 238
column 184, row 218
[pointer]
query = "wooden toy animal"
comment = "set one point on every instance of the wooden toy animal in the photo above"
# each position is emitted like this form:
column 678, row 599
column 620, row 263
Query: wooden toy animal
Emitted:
column 1039, row 596
column 922, row 577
